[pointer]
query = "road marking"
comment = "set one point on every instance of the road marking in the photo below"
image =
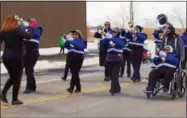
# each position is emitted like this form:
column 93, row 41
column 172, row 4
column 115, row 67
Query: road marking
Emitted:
column 63, row 95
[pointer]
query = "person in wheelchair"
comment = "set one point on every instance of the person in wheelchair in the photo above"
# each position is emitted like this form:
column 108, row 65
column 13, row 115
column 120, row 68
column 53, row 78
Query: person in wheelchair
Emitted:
column 166, row 64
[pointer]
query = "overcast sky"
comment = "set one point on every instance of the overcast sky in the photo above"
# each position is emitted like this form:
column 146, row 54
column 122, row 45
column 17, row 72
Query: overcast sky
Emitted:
column 145, row 12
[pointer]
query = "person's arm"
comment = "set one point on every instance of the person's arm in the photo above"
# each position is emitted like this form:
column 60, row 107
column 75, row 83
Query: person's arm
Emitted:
column 26, row 34
column 180, row 46
column 1, row 38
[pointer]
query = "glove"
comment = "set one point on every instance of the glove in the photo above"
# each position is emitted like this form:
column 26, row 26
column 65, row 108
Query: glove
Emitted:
column 69, row 37
column 112, row 43
column 109, row 36
column 162, row 54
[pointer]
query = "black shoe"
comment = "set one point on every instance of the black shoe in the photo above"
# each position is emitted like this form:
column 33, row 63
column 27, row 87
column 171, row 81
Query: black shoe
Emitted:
column 128, row 75
column 107, row 79
column 29, row 91
column 165, row 90
column 121, row 75
column 148, row 90
column 64, row 78
column 112, row 92
column 4, row 98
column 70, row 90
column 17, row 102
column 77, row 91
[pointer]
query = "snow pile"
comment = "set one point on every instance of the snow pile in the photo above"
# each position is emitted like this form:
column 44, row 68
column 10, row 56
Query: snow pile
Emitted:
column 44, row 65
column 56, row 50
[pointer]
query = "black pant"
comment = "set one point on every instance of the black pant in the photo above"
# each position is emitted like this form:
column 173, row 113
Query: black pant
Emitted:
column 66, row 68
column 136, row 61
column 185, row 60
column 114, row 74
column 14, row 67
column 75, row 62
column 102, row 56
column 30, row 60
column 166, row 72
column 62, row 49
column 126, row 58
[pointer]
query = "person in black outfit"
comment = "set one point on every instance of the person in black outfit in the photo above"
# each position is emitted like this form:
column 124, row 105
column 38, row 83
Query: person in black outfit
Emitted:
column 32, row 55
column 75, row 59
column 12, row 35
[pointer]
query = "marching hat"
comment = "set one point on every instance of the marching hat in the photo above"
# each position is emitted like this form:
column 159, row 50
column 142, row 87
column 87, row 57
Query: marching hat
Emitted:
column 78, row 32
column 116, row 29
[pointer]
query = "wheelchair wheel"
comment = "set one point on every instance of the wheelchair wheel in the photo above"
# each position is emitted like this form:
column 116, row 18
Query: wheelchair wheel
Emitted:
column 181, row 84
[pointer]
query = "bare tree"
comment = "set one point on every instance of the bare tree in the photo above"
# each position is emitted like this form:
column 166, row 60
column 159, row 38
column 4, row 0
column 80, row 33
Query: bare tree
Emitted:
column 178, row 15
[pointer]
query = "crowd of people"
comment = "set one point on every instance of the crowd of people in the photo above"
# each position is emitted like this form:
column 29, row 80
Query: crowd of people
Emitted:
column 116, row 48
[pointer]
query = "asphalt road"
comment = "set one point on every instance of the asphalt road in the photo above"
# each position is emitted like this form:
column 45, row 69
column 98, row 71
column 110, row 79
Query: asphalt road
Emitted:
column 52, row 100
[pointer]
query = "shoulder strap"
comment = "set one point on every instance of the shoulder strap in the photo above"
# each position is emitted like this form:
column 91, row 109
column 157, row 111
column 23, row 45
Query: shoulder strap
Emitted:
column 176, row 39
column 166, row 40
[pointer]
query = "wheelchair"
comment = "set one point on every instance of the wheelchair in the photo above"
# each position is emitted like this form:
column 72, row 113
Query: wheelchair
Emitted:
column 177, row 85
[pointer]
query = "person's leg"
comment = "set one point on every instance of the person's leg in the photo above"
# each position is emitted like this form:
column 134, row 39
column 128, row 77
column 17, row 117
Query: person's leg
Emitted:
column 78, row 68
column 129, row 64
column 123, row 64
column 153, row 78
column 65, row 71
column 17, row 74
column 30, row 62
column 71, row 61
column 169, row 74
column 9, row 82
column 115, row 86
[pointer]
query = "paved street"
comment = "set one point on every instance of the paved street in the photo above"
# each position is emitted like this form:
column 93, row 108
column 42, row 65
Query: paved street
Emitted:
column 52, row 100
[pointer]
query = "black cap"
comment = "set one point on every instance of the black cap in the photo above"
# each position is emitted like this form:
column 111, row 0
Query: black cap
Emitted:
column 140, row 28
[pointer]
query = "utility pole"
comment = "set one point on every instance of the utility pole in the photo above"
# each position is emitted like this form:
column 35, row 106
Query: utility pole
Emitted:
column 131, row 11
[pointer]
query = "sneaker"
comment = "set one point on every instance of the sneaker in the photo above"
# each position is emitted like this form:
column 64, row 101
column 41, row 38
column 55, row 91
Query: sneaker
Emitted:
column 165, row 90
column 77, row 91
column 121, row 75
column 70, row 90
column 64, row 78
column 29, row 91
column 107, row 79
column 17, row 102
column 4, row 98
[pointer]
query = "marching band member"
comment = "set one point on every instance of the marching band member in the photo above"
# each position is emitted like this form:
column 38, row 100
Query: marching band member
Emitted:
column 75, row 59
column 137, row 44
column 31, row 55
column 114, row 46
column 12, row 35
column 158, row 36
column 166, row 64
column 126, row 55
column 66, row 70
column 184, row 38
column 102, row 51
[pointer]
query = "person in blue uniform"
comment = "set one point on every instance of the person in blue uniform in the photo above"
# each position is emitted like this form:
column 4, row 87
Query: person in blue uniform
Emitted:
column 12, row 35
column 126, row 55
column 31, row 55
column 158, row 38
column 114, row 58
column 75, row 59
column 184, row 38
column 166, row 64
column 137, row 44
column 102, row 51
